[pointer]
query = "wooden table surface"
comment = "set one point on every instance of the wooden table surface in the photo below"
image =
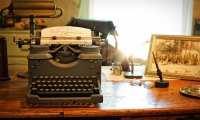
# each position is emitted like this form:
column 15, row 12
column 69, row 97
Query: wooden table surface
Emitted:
column 120, row 99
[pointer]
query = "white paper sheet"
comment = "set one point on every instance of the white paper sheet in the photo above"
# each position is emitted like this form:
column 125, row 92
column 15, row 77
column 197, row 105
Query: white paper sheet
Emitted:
column 66, row 35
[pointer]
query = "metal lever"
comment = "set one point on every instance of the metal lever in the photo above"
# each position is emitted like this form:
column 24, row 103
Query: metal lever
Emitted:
column 21, row 42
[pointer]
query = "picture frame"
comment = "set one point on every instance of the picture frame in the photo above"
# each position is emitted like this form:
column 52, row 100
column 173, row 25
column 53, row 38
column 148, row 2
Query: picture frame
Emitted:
column 177, row 56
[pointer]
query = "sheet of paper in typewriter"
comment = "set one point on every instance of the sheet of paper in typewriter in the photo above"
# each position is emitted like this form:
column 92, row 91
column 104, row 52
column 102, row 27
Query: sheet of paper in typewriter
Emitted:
column 66, row 35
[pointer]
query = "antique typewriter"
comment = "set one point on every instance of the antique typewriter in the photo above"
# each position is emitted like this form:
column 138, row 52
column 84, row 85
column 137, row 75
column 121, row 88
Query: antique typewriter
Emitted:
column 65, row 67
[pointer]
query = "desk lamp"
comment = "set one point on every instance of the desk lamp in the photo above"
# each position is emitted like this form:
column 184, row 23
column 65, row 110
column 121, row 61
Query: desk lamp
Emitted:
column 31, row 9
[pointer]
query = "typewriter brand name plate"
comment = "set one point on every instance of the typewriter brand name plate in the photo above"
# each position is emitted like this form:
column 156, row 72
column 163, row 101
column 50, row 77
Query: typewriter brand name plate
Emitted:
column 193, row 91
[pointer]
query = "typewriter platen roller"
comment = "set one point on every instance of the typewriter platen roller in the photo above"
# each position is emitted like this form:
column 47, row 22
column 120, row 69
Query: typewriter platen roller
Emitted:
column 64, row 67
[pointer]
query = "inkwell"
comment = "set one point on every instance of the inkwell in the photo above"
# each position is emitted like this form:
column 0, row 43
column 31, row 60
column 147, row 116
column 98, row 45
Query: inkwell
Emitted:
column 160, row 83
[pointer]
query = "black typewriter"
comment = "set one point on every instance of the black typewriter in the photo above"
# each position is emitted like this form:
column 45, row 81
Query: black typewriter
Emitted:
column 64, row 72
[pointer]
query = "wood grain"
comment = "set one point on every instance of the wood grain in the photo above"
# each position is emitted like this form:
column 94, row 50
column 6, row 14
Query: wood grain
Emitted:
column 120, row 100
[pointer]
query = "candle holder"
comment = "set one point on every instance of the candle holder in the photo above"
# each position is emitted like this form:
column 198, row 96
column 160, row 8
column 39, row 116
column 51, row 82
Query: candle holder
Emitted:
column 131, row 74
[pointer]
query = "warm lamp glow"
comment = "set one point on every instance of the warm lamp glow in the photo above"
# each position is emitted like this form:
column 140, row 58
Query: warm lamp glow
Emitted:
column 137, row 20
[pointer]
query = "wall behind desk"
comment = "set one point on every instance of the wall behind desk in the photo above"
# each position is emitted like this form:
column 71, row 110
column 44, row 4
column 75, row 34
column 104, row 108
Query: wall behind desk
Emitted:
column 70, row 8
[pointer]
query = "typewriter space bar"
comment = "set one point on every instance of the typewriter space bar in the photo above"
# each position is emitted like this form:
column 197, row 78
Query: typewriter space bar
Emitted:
column 65, row 94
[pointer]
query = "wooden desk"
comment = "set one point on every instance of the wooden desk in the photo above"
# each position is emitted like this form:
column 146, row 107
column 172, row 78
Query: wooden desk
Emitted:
column 121, row 100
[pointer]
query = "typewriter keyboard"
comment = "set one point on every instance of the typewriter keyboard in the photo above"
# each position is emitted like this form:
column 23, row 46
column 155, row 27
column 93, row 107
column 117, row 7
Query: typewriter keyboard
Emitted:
column 64, row 86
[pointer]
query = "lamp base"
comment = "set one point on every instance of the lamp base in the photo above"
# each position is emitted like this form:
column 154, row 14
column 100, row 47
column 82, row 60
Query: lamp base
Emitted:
column 132, row 75
column 22, row 74
column 4, row 78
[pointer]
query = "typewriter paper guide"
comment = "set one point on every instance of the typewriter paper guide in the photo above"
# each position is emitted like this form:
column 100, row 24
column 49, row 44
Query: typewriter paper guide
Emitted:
column 66, row 35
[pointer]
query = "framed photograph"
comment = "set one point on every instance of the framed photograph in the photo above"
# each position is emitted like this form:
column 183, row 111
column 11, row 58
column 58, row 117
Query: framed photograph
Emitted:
column 177, row 56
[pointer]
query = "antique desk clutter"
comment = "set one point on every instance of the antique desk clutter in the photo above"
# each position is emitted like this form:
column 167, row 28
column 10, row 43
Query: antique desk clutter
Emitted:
column 120, row 101
column 73, row 52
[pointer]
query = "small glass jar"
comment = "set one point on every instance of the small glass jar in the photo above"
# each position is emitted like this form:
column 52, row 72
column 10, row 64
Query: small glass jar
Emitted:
column 117, row 68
